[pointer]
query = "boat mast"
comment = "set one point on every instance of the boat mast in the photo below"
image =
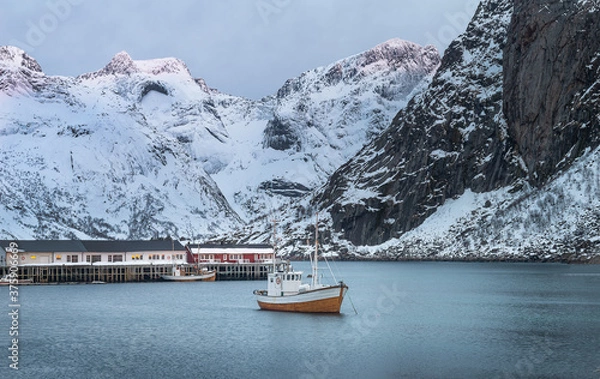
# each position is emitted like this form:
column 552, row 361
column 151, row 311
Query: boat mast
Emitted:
column 173, row 255
column 315, row 272
column 274, row 245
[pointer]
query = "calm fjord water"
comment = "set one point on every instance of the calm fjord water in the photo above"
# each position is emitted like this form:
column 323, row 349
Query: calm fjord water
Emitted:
column 415, row 320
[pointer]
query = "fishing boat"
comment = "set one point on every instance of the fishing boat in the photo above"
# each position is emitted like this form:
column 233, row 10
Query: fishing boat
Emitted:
column 180, row 274
column 287, row 293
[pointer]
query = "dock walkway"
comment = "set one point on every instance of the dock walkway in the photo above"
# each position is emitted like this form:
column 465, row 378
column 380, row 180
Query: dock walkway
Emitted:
column 131, row 273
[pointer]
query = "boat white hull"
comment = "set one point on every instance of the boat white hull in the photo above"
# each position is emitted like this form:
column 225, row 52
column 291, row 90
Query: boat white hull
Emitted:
column 323, row 300
column 210, row 277
column 18, row 282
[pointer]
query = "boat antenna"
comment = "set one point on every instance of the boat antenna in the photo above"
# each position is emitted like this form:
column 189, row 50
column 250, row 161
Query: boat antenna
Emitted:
column 274, row 244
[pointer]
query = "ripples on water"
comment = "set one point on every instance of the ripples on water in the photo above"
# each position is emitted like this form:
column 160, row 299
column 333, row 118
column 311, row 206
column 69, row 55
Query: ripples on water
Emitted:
column 415, row 320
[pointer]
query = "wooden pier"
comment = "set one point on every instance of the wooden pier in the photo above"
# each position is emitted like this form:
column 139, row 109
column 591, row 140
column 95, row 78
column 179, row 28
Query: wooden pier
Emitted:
column 241, row 271
column 131, row 273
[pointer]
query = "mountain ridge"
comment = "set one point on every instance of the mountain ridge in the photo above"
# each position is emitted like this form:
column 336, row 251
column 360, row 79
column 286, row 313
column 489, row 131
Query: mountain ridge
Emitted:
column 143, row 141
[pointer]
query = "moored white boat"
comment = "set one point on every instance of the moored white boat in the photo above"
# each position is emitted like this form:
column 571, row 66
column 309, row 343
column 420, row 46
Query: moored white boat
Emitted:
column 180, row 274
column 7, row 280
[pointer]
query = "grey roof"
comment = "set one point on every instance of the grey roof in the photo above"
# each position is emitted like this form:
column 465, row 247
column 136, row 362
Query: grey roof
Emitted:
column 229, row 246
column 130, row 246
column 40, row 246
column 75, row 246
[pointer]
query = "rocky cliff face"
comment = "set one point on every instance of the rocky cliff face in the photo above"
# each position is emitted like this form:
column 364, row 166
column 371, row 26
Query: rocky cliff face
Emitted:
column 449, row 138
column 551, row 70
column 496, row 159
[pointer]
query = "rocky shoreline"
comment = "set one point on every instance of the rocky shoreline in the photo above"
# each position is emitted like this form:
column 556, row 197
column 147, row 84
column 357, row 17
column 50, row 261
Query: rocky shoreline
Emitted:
column 564, row 258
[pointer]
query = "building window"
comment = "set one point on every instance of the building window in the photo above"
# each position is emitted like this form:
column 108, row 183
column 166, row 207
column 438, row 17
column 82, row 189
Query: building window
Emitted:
column 93, row 258
column 59, row 257
column 115, row 258
column 72, row 259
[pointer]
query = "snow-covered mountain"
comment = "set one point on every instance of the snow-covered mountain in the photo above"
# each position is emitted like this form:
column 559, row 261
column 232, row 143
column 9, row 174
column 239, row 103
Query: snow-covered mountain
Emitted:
column 102, row 155
column 494, row 153
column 287, row 145
column 496, row 159
column 140, row 149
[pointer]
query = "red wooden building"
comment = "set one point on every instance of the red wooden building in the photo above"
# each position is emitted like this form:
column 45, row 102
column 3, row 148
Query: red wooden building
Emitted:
column 225, row 253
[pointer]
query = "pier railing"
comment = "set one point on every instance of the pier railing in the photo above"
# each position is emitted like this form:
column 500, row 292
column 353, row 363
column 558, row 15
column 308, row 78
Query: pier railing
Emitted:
column 120, row 273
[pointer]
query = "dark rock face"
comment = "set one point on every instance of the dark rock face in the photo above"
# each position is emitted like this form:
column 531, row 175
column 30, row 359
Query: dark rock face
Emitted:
column 281, row 135
column 284, row 188
column 153, row 86
column 450, row 138
column 551, row 71
column 516, row 97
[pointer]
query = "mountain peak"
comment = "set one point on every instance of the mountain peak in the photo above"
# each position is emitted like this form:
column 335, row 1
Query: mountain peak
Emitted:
column 394, row 43
column 396, row 50
column 391, row 59
column 16, row 57
column 123, row 64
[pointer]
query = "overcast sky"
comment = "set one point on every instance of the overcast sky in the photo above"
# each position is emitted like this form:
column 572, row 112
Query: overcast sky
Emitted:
column 242, row 47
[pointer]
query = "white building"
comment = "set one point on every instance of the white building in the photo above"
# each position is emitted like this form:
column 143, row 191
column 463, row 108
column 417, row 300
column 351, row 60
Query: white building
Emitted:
column 74, row 252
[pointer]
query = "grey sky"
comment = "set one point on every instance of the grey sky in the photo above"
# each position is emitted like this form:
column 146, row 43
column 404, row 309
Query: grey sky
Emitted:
column 242, row 47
